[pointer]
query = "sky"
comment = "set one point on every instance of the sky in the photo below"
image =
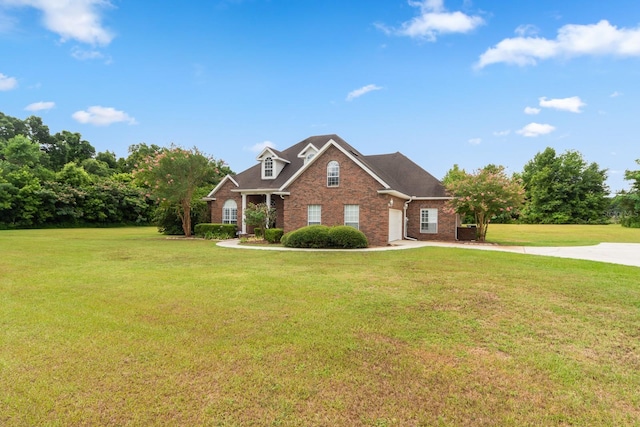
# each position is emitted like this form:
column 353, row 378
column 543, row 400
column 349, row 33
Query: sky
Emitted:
column 442, row 81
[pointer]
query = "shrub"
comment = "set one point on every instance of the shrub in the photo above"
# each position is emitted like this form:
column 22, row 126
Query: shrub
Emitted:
column 345, row 237
column 258, row 231
column 321, row 236
column 273, row 235
column 312, row 236
column 216, row 231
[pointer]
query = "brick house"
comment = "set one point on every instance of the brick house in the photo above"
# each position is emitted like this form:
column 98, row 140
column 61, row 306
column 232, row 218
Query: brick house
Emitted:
column 324, row 180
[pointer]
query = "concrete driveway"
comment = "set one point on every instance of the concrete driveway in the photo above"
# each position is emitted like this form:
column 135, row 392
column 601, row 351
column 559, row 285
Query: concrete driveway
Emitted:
column 615, row 253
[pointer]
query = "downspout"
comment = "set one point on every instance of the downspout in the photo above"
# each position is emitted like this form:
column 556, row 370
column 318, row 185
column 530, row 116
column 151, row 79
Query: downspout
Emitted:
column 406, row 220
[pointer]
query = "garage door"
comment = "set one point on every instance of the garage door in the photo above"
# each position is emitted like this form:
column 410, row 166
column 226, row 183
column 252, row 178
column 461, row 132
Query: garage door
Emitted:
column 395, row 224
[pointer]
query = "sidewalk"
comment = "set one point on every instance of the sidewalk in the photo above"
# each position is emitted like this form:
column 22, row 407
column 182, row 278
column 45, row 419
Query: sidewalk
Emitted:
column 614, row 253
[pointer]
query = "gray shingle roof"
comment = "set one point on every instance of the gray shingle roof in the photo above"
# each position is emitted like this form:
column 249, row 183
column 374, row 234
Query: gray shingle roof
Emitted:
column 399, row 172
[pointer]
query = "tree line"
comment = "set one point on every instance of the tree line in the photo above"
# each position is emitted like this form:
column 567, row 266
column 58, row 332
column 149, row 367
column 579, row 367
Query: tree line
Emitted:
column 552, row 189
column 60, row 181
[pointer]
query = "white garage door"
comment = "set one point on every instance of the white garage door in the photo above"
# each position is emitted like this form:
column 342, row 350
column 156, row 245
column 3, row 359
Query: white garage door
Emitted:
column 395, row 224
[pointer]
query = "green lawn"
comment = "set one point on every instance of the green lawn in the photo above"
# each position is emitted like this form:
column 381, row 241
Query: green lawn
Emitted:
column 125, row 327
column 560, row 235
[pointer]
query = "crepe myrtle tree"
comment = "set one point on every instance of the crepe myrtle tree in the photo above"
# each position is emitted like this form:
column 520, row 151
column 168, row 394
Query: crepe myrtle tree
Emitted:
column 485, row 193
column 173, row 176
column 260, row 215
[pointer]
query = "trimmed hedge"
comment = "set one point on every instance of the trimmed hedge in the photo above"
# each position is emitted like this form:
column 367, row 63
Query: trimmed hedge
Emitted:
column 343, row 236
column 273, row 235
column 321, row 236
column 216, row 231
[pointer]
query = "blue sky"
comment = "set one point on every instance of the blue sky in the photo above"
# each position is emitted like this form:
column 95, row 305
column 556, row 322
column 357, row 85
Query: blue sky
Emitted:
column 444, row 82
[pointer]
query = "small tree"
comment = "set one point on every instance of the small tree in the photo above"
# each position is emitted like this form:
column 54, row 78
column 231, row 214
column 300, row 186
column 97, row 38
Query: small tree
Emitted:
column 173, row 177
column 259, row 215
column 485, row 193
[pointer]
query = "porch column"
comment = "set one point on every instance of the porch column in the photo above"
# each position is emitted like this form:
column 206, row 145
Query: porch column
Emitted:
column 244, row 206
column 266, row 225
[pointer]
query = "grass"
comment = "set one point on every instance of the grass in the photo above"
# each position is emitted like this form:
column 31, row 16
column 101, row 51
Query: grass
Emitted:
column 560, row 235
column 124, row 327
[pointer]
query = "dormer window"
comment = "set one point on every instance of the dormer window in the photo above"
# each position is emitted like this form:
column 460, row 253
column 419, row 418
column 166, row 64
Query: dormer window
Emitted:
column 308, row 153
column 333, row 174
column 271, row 163
column 268, row 167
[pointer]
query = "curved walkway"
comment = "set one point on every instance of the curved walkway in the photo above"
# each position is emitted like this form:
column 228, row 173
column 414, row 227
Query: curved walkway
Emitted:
column 615, row 253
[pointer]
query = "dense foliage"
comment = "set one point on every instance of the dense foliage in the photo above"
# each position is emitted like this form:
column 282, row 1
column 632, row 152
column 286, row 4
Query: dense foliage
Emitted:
column 322, row 236
column 59, row 181
column 564, row 189
column 484, row 194
column 216, row 231
column 273, row 235
column 259, row 215
column 173, row 177
column 629, row 201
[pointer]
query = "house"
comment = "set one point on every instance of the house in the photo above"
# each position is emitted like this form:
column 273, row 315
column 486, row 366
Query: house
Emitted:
column 324, row 180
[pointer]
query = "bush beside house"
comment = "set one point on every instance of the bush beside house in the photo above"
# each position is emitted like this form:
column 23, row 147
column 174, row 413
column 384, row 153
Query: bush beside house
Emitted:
column 321, row 236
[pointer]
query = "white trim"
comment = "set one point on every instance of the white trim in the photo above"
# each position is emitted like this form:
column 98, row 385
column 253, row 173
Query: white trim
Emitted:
column 305, row 151
column 244, row 207
column 220, row 184
column 257, row 191
column 430, row 221
column 309, row 214
column 324, row 148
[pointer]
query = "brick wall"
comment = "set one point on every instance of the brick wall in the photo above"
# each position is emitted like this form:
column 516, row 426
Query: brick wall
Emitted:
column 356, row 188
column 224, row 193
column 446, row 222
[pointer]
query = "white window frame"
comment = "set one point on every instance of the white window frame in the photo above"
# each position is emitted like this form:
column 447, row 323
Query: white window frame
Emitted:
column 314, row 214
column 333, row 174
column 230, row 212
column 352, row 216
column 268, row 167
column 429, row 221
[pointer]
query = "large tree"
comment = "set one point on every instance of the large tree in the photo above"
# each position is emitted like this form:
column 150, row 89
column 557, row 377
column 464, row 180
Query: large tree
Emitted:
column 173, row 177
column 629, row 201
column 485, row 193
column 564, row 189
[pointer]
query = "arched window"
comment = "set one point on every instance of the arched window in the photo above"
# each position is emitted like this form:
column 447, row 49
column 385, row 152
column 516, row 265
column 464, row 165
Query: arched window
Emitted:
column 333, row 174
column 230, row 212
column 268, row 167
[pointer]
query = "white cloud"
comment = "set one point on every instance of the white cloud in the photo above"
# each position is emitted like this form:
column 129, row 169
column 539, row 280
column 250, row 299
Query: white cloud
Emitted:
column 572, row 40
column 527, row 30
column 102, row 116
column 615, row 94
column 475, row 141
column 434, row 20
column 83, row 55
column 39, row 106
column 7, row 83
column 257, row 148
column 531, row 110
column 501, row 132
column 359, row 92
column 72, row 19
column 536, row 129
column 572, row 104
